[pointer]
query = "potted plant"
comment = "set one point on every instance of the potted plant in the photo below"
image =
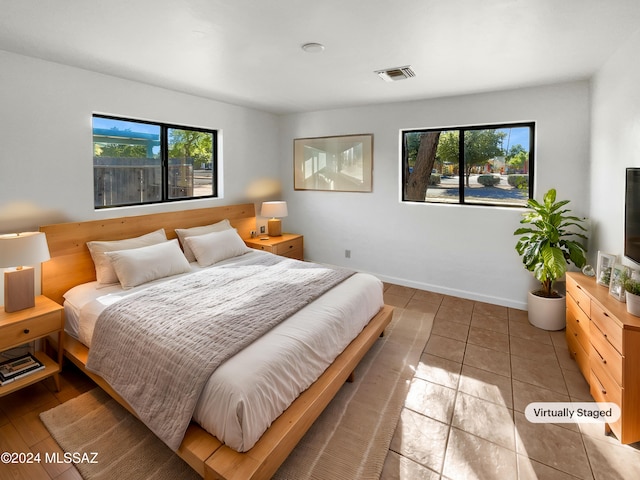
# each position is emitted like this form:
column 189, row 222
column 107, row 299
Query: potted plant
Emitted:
column 632, row 294
column 547, row 246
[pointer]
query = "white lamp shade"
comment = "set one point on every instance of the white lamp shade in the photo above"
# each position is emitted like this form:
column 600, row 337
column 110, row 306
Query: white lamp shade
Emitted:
column 23, row 249
column 274, row 209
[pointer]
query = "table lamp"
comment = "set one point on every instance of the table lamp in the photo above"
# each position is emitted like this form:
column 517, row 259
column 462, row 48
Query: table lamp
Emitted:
column 22, row 251
column 274, row 210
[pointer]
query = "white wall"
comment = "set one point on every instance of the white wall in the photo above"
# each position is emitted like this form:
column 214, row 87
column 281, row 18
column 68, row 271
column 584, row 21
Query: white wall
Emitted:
column 459, row 250
column 615, row 144
column 46, row 169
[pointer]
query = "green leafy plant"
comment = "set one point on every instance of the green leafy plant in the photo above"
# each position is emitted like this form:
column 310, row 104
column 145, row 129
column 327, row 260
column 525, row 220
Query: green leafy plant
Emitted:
column 519, row 181
column 548, row 245
column 488, row 180
column 632, row 285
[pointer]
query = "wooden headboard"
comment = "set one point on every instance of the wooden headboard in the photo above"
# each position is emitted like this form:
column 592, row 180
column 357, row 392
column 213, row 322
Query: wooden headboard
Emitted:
column 71, row 262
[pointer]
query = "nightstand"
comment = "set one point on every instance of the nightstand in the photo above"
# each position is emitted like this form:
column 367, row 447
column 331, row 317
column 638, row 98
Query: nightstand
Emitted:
column 24, row 326
column 287, row 245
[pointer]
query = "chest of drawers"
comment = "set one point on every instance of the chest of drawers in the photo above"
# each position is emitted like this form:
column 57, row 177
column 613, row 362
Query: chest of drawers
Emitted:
column 605, row 342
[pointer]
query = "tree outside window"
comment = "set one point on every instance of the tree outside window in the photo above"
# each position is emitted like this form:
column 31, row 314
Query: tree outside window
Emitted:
column 487, row 165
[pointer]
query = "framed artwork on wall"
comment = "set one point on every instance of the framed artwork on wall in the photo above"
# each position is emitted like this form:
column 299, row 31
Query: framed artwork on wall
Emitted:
column 341, row 164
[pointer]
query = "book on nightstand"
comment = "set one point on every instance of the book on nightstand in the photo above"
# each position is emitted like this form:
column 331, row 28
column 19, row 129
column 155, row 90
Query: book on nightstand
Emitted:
column 15, row 368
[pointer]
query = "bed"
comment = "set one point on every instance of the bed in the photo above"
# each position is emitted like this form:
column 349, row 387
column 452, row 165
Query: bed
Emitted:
column 72, row 266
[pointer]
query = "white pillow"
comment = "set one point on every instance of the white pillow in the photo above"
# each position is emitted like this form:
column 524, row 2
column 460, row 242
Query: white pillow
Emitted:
column 183, row 233
column 216, row 246
column 141, row 265
column 104, row 271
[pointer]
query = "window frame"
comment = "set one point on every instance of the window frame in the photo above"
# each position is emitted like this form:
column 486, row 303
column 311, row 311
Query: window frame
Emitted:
column 164, row 160
column 461, row 161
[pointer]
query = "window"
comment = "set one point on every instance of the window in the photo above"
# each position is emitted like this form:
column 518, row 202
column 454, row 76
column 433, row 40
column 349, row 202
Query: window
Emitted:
column 483, row 165
column 136, row 162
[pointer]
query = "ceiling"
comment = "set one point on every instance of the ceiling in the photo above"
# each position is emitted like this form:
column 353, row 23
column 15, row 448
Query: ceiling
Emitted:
column 248, row 52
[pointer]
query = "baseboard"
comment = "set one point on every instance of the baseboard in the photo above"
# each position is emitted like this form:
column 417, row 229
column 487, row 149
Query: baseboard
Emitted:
column 505, row 302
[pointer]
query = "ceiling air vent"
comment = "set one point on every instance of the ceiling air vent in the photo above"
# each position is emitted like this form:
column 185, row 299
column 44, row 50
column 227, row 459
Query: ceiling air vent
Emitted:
column 397, row 73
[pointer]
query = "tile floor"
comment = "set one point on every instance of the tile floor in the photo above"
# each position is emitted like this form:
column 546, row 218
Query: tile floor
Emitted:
column 464, row 415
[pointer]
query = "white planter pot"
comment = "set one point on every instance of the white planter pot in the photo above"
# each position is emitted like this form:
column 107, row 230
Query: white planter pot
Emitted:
column 633, row 304
column 547, row 313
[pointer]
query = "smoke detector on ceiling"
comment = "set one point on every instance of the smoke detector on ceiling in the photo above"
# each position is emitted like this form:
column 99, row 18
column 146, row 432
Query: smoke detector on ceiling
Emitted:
column 397, row 73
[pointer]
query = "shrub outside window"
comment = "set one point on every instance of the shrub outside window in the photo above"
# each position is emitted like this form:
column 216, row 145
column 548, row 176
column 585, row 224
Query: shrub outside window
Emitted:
column 137, row 162
column 477, row 165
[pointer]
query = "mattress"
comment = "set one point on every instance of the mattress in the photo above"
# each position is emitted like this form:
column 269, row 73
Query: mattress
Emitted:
column 251, row 389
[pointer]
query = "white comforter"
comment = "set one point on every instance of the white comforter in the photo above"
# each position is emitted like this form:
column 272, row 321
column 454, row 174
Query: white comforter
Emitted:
column 250, row 390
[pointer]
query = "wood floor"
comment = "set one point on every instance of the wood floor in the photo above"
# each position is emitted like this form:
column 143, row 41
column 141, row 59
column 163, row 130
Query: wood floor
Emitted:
column 21, row 430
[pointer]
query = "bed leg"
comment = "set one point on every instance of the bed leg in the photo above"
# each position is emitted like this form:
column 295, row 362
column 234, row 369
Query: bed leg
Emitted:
column 352, row 377
column 382, row 334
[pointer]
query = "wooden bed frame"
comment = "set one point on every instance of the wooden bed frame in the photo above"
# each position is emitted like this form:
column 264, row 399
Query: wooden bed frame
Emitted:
column 71, row 265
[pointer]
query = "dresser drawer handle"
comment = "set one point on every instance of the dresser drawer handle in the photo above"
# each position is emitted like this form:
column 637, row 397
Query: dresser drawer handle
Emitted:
column 575, row 334
column 601, row 357
column 26, row 331
column 601, row 387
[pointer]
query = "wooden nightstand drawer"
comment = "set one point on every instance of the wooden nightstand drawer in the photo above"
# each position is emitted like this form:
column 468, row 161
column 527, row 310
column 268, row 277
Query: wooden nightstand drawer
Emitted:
column 579, row 296
column 263, row 246
column 609, row 328
column 27, row 330
column 24, row 326
column 287, row 248
column 286, row 245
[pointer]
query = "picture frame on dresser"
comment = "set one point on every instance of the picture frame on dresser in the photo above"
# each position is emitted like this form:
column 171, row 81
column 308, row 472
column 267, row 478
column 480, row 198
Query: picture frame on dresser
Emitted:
column 616, row 287
column 606, row 261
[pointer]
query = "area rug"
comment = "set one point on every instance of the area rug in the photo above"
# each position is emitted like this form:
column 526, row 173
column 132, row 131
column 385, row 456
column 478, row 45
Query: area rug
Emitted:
column 349, row 440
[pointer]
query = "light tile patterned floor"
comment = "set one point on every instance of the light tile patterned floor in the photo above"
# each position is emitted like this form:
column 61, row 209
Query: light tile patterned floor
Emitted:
column 464, row 415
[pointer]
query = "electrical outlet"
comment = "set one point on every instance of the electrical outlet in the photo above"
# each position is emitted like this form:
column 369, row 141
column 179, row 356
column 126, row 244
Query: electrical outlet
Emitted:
column 347, row 254
column 262, row 229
